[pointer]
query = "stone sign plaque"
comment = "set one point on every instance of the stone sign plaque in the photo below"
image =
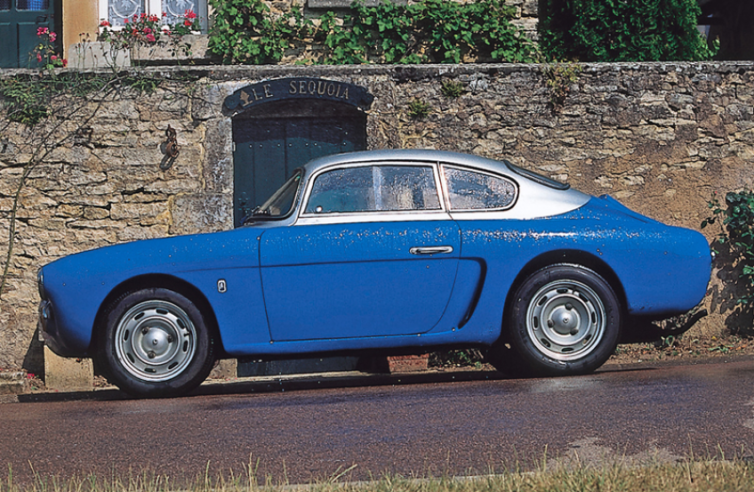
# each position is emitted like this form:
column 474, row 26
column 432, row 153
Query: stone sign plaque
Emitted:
column 298, row 88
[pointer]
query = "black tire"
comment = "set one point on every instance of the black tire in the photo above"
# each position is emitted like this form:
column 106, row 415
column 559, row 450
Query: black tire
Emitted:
column 564, row 320
column 155, row 344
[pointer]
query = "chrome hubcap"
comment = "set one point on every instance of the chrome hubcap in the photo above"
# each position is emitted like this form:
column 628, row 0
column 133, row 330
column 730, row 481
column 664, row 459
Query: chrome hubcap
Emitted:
column 566, row 320
column 155, row 340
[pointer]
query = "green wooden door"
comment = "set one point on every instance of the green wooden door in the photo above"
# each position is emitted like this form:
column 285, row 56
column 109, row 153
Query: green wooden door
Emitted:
column 19, row 21
column 268, row 150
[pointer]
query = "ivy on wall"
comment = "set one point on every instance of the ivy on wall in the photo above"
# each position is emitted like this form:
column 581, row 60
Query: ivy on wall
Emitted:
column 429, row 31
column 617, row 30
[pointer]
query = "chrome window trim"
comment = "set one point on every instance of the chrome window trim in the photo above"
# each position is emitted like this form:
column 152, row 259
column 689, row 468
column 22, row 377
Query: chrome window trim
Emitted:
column 516, row 189
column 311, row 180
column 368, row 217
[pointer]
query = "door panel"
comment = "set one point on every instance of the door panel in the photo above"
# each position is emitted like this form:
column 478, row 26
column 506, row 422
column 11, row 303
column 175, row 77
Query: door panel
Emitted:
column 19, row 21
column 357, row 280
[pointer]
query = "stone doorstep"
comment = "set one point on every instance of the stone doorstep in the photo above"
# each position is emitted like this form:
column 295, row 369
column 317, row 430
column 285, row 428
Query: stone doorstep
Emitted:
column 13, row 383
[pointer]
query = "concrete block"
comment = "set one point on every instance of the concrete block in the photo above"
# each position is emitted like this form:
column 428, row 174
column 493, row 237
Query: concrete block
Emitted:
column 65, row 374
column 225, row 369
column 97, row 54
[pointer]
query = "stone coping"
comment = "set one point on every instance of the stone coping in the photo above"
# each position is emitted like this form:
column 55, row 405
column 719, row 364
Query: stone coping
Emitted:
column 410, row 72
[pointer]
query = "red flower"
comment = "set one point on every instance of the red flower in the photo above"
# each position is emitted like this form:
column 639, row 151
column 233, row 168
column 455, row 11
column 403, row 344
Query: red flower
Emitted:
column 125, row 20
column 189, row 14
column 151, row 38
column 39, row 57
column 104, row 23
column 187, row 23
column 147, row 30
column 41, row 31
column 53, row 37
column 65, row 62
column 54, row 57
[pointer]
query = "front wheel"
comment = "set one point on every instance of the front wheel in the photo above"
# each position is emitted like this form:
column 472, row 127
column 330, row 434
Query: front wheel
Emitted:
column 156, row 343
column 565, row 319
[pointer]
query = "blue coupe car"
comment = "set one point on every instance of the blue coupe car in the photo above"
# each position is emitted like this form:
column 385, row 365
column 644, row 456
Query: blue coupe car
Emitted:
column 399, row 251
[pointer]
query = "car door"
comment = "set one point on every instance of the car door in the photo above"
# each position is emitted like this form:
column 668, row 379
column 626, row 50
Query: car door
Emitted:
column 373, row 253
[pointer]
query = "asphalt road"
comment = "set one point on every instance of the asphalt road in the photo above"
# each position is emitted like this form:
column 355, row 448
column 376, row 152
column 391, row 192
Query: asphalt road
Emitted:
column 460, row 423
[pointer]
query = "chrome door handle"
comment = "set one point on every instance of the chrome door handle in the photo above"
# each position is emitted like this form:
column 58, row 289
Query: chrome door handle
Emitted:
column 430, row 250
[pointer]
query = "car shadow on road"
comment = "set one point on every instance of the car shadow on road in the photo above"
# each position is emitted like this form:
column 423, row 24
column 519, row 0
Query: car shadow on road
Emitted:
column 304, row 382
column 273, row 384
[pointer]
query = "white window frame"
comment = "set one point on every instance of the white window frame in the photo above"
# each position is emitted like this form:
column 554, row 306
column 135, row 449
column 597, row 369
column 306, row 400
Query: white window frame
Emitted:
column 154, row 7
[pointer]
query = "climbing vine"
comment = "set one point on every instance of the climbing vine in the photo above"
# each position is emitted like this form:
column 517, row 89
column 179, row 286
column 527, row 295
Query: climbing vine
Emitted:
column 51, row 110
column 427, row 31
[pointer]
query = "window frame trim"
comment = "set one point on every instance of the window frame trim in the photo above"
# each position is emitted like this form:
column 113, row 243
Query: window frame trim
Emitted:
column 303, row 215
column 446, row 189
column 151, row 7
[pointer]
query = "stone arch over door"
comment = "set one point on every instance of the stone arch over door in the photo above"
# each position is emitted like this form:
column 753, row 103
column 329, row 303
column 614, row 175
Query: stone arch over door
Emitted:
column 281, row 124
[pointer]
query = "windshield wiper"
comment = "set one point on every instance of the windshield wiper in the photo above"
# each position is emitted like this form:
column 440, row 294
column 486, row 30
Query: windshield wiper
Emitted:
column 256, row 214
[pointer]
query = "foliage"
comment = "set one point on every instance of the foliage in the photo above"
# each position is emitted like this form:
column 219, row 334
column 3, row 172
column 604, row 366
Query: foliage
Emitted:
column 451, row 89
column 612, row 471
column 245, row 32
column 147, row 30
column 45, row 52
column 428, row 31
column 617, row 30
column 736, row 220
column 25, row 102
column 559, row 78
column 457, row 358
column 418, row 109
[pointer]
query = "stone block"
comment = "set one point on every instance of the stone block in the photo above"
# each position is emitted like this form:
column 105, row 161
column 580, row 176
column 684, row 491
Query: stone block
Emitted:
column 65, row 374
column 345, row 4
column 13, row 383
column 398, row 364
column 408, row 363
column 198, row 213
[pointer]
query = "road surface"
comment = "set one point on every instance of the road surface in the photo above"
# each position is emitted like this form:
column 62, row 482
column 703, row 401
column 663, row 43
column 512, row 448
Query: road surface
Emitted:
column 450, row 423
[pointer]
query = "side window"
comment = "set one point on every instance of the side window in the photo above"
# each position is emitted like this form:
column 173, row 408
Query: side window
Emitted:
column 470, row 190
column 374, row 189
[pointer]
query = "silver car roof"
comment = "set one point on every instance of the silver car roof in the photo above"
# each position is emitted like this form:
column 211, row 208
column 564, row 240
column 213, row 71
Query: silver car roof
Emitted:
column 426, row 155
column 535, row 199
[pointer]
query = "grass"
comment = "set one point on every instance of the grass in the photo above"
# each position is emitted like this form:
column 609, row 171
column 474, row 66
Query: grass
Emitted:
column 691, row 476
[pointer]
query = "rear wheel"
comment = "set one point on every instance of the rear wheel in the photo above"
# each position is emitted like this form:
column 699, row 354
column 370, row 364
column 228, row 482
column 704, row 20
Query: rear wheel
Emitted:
column 565, row 319
column 156, row 343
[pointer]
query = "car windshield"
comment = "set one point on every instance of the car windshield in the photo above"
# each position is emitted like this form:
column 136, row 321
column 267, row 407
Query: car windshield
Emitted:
column 281, row 203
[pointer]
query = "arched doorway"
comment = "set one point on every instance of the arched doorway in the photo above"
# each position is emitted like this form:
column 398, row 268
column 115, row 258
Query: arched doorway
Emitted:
column 281, row 124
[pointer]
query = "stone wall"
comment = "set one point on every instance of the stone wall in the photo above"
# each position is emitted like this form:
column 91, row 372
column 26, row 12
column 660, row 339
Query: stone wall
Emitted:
column 660, row 137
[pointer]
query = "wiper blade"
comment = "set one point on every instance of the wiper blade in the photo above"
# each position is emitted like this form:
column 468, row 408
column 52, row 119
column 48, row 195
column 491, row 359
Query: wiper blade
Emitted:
column 256, row 214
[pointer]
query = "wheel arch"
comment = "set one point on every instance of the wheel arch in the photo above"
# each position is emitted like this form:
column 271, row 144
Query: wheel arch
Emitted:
column 164, row 281
column 563, row 256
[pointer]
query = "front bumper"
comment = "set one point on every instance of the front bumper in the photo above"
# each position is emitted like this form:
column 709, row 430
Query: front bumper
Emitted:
column 47, row 328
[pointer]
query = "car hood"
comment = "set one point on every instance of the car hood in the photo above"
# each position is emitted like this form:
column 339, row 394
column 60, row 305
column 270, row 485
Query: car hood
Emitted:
column 166, row 255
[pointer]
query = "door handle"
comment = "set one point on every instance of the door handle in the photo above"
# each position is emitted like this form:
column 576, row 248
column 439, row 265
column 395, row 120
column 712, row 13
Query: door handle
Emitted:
column 430, row 250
